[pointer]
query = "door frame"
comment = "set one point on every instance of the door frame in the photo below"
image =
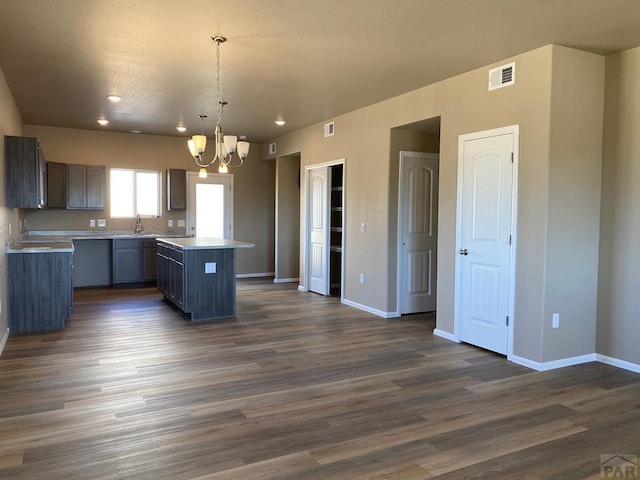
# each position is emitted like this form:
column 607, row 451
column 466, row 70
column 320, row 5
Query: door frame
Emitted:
column 399, row 262
column 307, row 222
column 193, row 176
column 515, row 131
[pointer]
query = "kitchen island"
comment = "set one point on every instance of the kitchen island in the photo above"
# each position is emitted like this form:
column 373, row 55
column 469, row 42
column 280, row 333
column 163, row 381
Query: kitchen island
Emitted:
column 198, row 275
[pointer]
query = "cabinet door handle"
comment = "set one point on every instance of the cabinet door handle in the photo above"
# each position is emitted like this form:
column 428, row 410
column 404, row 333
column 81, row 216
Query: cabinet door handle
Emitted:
column 464, row 251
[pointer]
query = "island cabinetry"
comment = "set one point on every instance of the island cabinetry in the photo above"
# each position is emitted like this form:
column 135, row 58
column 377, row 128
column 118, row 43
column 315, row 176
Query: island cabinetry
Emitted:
column 134, row 261
column 25, row 171
column 85, row 187
column 171, row 273
column 199, row 276
column 39, row 291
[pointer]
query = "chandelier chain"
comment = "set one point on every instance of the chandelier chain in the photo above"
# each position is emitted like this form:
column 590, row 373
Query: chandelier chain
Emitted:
column 218, row 85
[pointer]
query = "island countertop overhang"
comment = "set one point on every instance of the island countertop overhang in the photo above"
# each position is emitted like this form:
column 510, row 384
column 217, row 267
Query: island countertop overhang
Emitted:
column 204, row 243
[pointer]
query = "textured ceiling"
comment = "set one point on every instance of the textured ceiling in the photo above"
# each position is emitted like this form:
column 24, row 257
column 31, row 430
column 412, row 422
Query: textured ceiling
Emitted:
column 304, row 61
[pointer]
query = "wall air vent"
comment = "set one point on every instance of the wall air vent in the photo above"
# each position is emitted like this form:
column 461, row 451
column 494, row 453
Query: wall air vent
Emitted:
column 272, row 148
column 502, row 76
column 328, row 129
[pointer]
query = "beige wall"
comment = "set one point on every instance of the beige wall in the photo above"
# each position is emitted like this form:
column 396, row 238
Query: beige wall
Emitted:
column 287, row 217
column 253, row 182
column 10, row 124
column 618, row 333
column 363, row 138
column 575, row 164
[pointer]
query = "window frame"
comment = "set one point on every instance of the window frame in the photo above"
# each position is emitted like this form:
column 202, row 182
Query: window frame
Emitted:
column 135, row 205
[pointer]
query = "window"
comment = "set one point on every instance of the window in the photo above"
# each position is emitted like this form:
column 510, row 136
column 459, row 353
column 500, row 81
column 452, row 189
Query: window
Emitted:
column 134, row 192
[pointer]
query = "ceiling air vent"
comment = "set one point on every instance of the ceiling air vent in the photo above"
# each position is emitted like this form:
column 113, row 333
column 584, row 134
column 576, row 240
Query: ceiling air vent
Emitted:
column 502, row 76
column 272, row 148
column 328, row 129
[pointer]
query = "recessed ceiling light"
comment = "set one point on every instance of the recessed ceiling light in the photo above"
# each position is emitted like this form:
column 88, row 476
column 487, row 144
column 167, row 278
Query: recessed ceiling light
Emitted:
column 114, row 98
column 135, row 131
column 103, row 121
column 181, row 129
column 280, row 123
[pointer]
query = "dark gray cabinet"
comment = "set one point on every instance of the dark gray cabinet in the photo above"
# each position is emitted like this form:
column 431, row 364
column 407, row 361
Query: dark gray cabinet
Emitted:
column 86, row 187
column 176, row 189
column 134, row 261
column 25, row 172
column 184, row 280
column 56, row 185
column 171, row 273
column 39, row 291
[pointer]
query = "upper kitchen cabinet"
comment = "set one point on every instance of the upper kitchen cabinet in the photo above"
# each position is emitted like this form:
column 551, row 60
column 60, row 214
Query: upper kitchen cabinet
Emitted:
column 25, row 171
column 85, row 187
column 176, row 189
column 56, row 185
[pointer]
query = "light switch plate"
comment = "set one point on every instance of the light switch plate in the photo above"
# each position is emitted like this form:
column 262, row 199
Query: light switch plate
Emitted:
column 92, row 222
column 102, row 222
column 181, row 223
column 169, row 223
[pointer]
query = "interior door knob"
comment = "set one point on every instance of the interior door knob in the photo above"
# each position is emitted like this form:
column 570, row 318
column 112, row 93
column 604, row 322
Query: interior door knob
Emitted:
column 464, row 251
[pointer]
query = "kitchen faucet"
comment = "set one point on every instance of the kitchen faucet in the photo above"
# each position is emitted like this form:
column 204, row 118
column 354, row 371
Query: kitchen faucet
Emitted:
column 139, row 225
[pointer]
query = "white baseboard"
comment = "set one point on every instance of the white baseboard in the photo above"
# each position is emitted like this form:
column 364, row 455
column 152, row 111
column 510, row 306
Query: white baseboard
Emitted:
column 285, row 280
column 3, row 340
column 544, row 366
column 446, row 335
column 633, row 367
column 368, row 309
column 302, row 288
column 255, row 275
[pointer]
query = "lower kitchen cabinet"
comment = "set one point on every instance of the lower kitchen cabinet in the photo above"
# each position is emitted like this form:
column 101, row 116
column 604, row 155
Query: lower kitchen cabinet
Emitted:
column 171, row 281
column 39, row 291
column 134, row 261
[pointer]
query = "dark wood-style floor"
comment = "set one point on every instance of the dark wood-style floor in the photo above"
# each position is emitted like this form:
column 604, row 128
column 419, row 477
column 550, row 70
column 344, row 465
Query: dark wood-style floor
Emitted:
column 298, row 387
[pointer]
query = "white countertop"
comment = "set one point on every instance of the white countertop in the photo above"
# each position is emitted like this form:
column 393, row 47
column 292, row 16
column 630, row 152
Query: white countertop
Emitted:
column 55, row 247
column 205, row 243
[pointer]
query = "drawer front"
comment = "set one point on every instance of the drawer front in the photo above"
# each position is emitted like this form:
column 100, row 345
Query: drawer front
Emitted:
column 127, row 243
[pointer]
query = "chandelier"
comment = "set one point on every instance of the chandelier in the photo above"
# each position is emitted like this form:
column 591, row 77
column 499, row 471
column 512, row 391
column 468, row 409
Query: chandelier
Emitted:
column 226, row 145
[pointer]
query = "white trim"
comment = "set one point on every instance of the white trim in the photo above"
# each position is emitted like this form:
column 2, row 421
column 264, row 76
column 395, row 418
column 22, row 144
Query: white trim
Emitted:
column 285, row 280
column 446, row 335
column 368, row 309
column 4, row 339
column 552, row 365
column 302, row 288
column 633, row 367
column 403, row 154
column 515, row 131
column 255, row 275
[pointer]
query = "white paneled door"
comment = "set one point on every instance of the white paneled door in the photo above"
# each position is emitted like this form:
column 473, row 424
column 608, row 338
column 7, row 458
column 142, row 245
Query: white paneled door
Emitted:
column 485, row 239
column 319, row 219
column 418, row 232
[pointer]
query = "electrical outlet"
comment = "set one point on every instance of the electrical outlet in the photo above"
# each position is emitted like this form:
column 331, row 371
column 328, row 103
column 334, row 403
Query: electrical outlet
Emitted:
column 555, row 320
column 210, row 267
column 9, row 228
column 363, row 227
column 20, row 225
column 102, row 222
column 92, row 222
column 169, row 223
column 362, row 278
column 181, row 223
